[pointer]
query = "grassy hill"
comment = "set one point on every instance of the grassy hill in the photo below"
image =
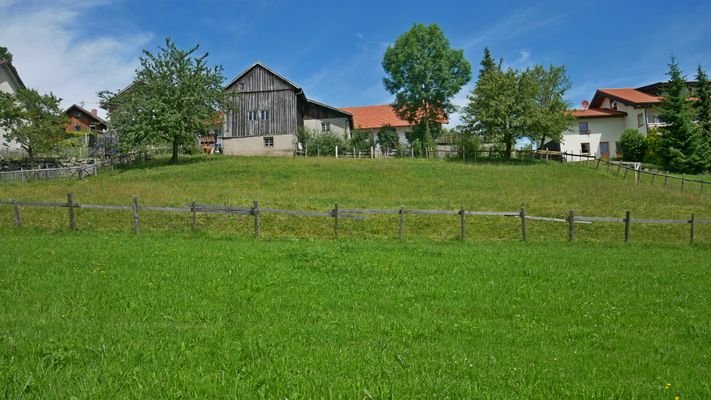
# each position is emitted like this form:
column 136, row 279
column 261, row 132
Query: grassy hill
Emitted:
column 544, row 189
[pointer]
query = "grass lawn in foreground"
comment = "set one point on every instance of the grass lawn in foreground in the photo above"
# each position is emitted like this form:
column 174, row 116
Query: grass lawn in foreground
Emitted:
column 96, row 315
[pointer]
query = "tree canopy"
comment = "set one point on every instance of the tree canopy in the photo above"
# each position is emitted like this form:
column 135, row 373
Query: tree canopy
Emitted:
column 507, row 104
column 5, row 54
column 424, row 73
column 174, row 97
column 702, row 108
column 34, row 120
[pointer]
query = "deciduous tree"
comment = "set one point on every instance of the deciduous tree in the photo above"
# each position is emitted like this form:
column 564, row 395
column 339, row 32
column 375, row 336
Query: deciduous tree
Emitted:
column 175, row 96
column 424, row 73
column 34, row 120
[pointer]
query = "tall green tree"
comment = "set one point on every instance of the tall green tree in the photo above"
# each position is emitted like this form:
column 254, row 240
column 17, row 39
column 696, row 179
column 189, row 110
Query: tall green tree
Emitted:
column 34, row 120
column 550, row 117
column 424, row 73
column 501, row 104
column 174, row 97
column 679, row 140
column 702, row 108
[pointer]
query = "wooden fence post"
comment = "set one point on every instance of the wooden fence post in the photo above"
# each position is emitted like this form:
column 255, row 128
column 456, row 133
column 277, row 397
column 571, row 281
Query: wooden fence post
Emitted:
column 683, row 178
column 336, row 151
column 653, row 175
column 402, row 222
column 192, row 209
column 625, row 175
column 523, row 224
column 136, row 222
column 462, row 224
column 255, row 212
column 597, row 166
column 571, row 226
column 702, row 184
column 335, row 220
column 627, row 227
column 608, row 165
column 70, row 205
column 692, row 222
column 16, row 212
column 666, row 177
column 618, row 169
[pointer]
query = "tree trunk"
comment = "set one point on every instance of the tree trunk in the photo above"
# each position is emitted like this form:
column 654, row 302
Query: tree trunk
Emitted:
column 176, row 149
column 507, row 153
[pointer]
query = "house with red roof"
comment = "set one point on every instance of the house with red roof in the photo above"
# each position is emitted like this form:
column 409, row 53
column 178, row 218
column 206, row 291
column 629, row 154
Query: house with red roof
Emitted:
column 372, row 118
column 600, row 123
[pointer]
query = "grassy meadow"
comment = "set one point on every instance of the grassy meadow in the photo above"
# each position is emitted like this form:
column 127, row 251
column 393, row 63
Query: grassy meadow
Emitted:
column 196, row 315
column 544, row 189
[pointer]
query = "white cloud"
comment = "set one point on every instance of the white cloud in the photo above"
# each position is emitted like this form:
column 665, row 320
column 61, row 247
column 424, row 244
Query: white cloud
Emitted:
column 53, row 54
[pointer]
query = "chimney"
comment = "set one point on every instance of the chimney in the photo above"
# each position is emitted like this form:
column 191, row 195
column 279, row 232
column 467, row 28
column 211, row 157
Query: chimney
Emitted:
column 93, row 112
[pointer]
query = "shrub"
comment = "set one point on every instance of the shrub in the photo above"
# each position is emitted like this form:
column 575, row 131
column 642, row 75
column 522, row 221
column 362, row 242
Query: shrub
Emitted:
column 387, row 138
column 325, row 144
column 633, row 145
column 361, row 140
column 653, row 145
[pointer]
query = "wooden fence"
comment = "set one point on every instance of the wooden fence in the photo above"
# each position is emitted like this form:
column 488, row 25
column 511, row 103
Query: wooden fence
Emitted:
column 79, row 171
column 338, row 213
column 664, row 179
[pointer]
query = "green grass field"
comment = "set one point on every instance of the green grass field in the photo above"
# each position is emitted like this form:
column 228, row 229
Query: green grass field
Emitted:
column 112, row 315
column 544, row 189
column 215, row 313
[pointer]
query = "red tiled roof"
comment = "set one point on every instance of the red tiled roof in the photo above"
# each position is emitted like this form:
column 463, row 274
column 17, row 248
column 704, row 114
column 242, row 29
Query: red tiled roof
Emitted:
column 626, row 95
column 597, row 113
column 372, row 117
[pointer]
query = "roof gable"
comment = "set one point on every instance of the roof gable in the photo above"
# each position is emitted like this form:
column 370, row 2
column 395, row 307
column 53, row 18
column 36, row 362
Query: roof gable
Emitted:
column 259, row 65
column 7, row 65
column 96, row 118
column 628, row 96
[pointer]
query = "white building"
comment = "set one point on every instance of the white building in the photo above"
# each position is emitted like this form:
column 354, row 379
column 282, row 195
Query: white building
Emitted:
column 10, row 82
column 600, row 125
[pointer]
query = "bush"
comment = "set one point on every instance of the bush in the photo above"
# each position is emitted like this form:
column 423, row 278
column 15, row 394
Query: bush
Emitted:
column 633, row 145
column 387, row 138
column 653, row 145
column 361, row 140
column 468, row 146
column 325, row 144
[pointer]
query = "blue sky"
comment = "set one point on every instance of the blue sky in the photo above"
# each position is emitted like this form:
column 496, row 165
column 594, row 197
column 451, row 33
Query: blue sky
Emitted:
column 333, row 49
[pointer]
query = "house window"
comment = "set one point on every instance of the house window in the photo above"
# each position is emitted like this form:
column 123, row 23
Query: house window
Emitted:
column 325, row 127
column 583, row 127
column 77, row 128
column 585, row 148
column 618, row 150
column 268, row 141
column 640, row 120
column 77, row 114
column 264, row 115
column 241, row 86
column 251, row 115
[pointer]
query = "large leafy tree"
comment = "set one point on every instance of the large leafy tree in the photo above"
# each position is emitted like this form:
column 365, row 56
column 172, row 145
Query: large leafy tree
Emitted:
column 702, row 108
column 550, row 117
column 507, row 105
column 34, row 120
column 500, row 104
column 174, row 97
column 424, row 73
column 679, row 140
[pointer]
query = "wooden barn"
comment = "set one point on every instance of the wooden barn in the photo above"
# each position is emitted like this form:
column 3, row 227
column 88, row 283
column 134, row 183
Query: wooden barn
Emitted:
column 268, row 110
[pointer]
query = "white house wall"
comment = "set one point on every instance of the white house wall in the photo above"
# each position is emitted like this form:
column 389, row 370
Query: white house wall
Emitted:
column 339, row 126
column 7, row 85
column 601, row 130
column 284, row 145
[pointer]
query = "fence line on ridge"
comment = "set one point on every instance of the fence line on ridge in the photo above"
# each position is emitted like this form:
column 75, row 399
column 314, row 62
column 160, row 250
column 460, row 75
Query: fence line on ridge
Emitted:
column 338, row 213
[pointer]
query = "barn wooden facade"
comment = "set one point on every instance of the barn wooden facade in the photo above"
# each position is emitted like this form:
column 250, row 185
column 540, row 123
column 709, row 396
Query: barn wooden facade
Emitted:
column 267, row 111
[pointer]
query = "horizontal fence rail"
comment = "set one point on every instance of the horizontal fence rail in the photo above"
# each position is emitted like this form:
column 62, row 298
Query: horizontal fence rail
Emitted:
column 342, row 213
